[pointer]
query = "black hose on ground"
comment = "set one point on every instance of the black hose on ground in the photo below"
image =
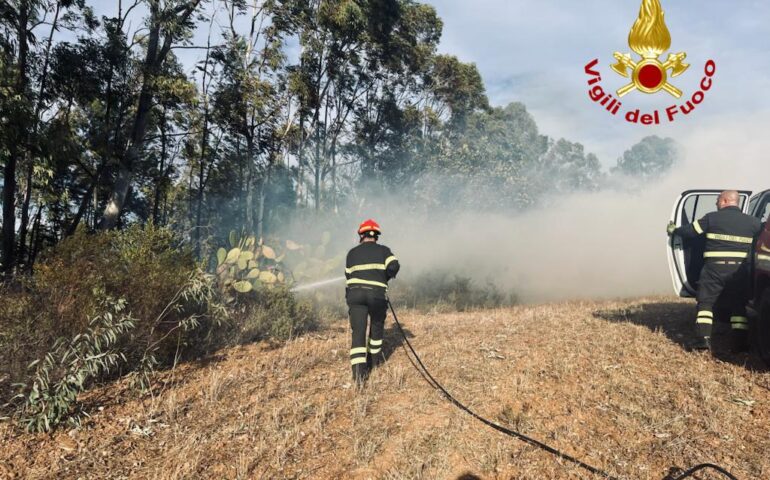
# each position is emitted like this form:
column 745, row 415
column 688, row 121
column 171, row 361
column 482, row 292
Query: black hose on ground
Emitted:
column 423, row 370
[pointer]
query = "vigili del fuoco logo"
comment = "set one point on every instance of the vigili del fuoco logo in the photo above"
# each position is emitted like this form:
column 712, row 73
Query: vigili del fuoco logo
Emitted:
column 649, row 39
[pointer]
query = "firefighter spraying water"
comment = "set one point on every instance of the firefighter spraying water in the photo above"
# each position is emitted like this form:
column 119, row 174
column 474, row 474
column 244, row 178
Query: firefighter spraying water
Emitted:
column 368, row 268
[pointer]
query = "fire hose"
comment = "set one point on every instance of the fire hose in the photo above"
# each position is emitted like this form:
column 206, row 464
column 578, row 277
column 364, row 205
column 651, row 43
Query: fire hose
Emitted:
column 425, row 373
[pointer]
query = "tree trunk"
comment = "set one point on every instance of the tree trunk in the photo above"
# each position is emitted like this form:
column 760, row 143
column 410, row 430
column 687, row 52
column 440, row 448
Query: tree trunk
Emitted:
column 204, row 152
column 317, row 179
column 9, row 172
column 81, row 209
column 35, row 241
column 241, row 181
column 84, row 202
column 9, row 212
column 199, row 210
column 119, row 193
column 261, row 208
column 249, row 214
column 33, row 137
column 160, row 180
column 25, row 210
column 262, row 199
column 301, row 155
column 334, row 173
column 190, row 197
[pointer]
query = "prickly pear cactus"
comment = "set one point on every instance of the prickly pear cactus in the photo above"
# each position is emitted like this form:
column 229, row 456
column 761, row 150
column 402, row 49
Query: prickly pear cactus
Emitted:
column 249, row 264
column 314, row 261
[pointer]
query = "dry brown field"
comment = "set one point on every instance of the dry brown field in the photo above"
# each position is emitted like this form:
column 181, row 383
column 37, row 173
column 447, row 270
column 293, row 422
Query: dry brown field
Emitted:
column 608, row 382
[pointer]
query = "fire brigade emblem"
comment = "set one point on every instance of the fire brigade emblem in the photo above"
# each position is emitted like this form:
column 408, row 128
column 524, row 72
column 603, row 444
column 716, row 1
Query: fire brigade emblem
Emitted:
column 650, row 38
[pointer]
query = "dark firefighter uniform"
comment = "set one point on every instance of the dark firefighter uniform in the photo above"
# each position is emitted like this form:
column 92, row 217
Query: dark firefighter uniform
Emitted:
column 725, row 276
column 368, row 269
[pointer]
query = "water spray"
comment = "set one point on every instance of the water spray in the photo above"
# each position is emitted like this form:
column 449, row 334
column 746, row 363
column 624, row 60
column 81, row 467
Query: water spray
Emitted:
column 318, row 284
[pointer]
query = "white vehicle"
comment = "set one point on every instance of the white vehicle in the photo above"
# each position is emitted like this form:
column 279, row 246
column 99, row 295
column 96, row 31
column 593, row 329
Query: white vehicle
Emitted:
column 685, row 257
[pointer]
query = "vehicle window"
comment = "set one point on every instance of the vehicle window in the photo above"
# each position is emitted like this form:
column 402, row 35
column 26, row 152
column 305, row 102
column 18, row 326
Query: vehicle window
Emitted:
column 764, row 209
column 696, row 206
column 753, row 204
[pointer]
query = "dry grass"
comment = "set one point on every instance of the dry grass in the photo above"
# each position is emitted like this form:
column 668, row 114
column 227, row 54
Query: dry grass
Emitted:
column 607, row 382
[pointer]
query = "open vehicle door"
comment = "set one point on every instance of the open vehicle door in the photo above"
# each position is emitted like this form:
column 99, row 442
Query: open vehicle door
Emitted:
column 685, row 257
column 759, row 206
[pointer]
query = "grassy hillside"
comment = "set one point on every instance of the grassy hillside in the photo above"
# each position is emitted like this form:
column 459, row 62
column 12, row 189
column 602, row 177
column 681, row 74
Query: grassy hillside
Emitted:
column 608, row 382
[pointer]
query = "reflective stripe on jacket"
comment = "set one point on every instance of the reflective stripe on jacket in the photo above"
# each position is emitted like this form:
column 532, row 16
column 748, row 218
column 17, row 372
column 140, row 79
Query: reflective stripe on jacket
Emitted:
column 729, row 233
column 370, row 265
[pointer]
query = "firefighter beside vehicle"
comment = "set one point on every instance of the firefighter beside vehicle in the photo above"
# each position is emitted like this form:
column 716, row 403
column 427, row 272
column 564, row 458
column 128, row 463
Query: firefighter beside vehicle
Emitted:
column 726, row 272
column 368, row 269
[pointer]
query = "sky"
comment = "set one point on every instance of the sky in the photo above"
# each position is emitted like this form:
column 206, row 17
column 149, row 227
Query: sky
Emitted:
column 535, row 52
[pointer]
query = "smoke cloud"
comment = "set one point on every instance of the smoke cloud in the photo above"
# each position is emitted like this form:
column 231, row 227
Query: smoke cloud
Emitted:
column 600, row 245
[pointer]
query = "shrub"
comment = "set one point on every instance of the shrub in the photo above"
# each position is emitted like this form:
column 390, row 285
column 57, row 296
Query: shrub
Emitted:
column 143, row 267
column 270, row 313
column 445, row 291
column 64, row 322
column 70, row 367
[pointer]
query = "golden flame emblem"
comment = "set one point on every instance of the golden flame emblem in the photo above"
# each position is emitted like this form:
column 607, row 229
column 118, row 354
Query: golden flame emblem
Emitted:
column 650, row 38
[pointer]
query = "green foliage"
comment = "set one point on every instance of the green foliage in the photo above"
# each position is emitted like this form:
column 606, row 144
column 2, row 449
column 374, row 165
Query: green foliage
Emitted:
column 459, row 86
column 498, row 160
column 182, row 316
column 311, row 262
column 191, row 320
column 651, row 158
column 270, row 314
column 145, row 267
column 566, row 168
column 123, row 264
column 70, row 366
column 252, row 135
column 250, row 265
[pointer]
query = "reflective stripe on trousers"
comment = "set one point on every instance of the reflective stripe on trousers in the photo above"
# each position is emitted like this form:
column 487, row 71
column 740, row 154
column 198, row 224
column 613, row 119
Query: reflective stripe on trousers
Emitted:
column 739, row 323
column 705, row 317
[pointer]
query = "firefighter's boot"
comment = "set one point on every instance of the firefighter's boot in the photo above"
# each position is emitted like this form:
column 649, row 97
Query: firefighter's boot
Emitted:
column 701, row 344
column 703, row 327
column 377, row 359
column 740, row 336
column 740, row 341
column 360, row 374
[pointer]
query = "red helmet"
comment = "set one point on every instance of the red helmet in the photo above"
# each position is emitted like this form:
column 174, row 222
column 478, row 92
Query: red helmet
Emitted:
column 369, row 228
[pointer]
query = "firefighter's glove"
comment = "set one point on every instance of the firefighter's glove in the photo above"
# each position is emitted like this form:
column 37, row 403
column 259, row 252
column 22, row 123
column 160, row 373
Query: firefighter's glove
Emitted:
column 670, row 228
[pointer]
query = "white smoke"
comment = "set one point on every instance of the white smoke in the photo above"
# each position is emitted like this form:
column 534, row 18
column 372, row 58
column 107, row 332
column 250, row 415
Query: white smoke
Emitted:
column 589, row 246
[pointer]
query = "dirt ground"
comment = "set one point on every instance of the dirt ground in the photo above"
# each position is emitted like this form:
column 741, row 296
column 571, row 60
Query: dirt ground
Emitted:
column 610, row 383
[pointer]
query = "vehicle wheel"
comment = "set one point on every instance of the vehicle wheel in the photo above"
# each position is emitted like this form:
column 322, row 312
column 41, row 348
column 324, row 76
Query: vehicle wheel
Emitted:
column 761, row 327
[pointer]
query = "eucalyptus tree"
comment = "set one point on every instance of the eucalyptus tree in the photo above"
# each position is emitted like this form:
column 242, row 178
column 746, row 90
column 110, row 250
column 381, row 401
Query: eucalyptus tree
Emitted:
column 169, row 22
column 92, row 94
column 567, row 167
column 651, row 158
column 388, row 123
column 361, row 66
column 27, row 30
column 250, row 103
column 173, row 123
